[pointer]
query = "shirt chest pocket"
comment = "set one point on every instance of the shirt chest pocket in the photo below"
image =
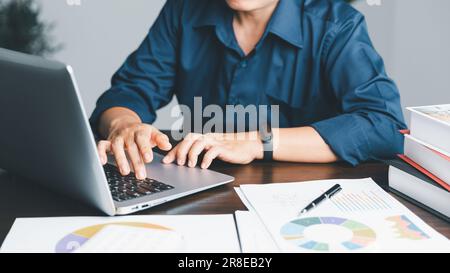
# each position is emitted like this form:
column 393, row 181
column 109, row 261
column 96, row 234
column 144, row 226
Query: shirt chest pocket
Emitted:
column 287, row 79
column 281, row 86
column 297, row 88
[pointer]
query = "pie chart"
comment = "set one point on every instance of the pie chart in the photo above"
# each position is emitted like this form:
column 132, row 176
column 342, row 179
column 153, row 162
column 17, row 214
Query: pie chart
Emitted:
column 326, row 234
column 76, row 239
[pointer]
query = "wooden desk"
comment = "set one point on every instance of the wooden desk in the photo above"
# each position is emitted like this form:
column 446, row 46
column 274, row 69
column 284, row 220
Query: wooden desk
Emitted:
column 20, row 198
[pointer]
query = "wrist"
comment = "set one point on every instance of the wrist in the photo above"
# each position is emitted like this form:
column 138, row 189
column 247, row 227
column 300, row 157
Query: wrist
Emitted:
column 266, row 136
column 116, row 118
column 118, row 123
column 258, row 147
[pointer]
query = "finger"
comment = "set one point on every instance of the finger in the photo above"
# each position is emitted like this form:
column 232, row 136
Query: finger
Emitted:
column 209, row 156
column 197, row 148
column 184, row 148
column 119, row 155
column 171, row 156
column 136, row 160
column 143, row 143
column 161, row 141
column 103, row 147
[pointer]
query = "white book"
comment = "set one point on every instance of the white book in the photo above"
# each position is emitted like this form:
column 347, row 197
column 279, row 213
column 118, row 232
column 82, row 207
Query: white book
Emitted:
column 420, row 189
column 431, row 124
column 427, row 157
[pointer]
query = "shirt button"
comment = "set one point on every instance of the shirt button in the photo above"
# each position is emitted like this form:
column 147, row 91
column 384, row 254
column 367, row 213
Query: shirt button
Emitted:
column 244, row 64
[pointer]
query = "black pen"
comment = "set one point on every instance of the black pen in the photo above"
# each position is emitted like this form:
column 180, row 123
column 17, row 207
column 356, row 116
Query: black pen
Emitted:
column 327, row 195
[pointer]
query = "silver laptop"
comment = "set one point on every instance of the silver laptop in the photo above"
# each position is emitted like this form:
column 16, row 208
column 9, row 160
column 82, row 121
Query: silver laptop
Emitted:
column 45, row 137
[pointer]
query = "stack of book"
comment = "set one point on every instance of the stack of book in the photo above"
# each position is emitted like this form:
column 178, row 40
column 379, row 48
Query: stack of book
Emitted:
column 423, row 173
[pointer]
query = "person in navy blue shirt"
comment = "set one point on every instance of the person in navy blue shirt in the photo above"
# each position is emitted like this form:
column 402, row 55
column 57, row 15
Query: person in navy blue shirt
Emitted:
column 312, row 58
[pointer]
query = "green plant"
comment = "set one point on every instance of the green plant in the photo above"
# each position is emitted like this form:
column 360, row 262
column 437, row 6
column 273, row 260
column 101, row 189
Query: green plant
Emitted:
column 22, row 29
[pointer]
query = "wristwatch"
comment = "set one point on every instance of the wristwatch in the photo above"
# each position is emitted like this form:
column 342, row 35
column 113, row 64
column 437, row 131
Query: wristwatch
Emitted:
column 266, row 135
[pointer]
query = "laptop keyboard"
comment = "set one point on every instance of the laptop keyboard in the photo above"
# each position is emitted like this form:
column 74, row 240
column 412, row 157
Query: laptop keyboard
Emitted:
column 128, row 187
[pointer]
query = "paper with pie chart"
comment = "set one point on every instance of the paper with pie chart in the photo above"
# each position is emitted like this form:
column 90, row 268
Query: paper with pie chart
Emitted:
column 117, row 237
column 361, row 218
column 158, row 233
column 329, row 232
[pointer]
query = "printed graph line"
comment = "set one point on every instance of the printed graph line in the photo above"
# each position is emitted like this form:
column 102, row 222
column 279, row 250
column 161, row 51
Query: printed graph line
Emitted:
column 360, row 201
column 375, row 202
column 380, row 199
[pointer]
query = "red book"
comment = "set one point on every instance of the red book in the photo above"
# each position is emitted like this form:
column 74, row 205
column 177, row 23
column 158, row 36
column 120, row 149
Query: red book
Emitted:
column 425, row 172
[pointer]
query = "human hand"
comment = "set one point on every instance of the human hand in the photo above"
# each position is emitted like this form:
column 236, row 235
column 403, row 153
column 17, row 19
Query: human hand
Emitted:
column 133, row 141
column 239, row 148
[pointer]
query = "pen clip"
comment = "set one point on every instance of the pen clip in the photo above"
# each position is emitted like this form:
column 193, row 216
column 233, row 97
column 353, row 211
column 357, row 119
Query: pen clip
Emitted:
column 335, row 191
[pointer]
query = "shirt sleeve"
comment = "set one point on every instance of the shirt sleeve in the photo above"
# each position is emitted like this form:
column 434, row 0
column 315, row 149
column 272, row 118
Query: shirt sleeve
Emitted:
column 371, row 115
column 145, row 82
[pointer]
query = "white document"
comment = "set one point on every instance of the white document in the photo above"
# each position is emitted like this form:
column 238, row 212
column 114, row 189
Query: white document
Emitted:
column 125, row 239
column 360, row 218
column 253, row 235
column 167, row 233
column 244, row 199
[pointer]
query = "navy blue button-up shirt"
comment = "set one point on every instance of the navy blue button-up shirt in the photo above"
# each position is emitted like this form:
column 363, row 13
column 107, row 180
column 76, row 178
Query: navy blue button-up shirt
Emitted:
column 315, row 60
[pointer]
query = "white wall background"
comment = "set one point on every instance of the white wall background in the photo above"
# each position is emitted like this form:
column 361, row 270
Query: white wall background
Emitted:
column 413, row 36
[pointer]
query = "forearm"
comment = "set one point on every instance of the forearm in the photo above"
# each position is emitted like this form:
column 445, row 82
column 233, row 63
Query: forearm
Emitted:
column 113, row 116
column 302, row 144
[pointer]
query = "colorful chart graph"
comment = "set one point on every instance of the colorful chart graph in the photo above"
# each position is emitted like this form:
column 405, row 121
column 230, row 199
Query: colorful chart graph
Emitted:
column 360, row 202
column 76, row 239
column 328, row 234
column 406, row 229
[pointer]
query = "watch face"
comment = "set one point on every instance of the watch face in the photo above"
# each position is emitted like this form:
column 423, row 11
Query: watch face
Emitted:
column 266, row 138
column 265, row 133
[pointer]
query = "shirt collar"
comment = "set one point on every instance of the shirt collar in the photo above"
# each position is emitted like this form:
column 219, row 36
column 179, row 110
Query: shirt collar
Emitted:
column 286, row 21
